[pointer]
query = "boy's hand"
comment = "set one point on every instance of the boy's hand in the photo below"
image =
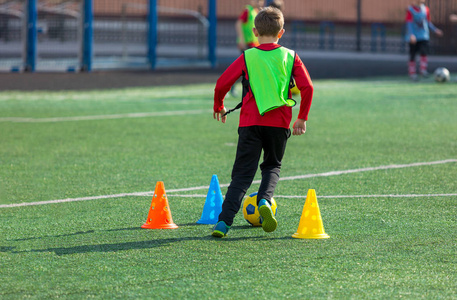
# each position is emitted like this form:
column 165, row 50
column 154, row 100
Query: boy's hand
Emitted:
column 220, row 115
column 453, row 18
column 299, row 127
column 412, row 39
column 439, row 32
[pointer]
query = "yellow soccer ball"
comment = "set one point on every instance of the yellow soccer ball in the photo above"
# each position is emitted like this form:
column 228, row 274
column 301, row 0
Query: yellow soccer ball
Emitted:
column 251, row 211
column 295, row 90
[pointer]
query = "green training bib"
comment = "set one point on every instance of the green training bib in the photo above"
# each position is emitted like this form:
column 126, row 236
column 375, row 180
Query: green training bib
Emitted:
column 248, row 34
column 269, row 73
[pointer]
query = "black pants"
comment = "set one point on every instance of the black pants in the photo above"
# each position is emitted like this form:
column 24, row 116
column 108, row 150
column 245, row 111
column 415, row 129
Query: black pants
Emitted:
column 251, row 141
column 420, row 47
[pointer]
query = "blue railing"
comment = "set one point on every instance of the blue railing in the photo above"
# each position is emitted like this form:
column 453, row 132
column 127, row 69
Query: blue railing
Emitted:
column 378, row 30
column 86, row 42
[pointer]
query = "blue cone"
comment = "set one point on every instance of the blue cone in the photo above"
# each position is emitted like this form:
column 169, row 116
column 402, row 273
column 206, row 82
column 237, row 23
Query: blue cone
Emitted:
column 213, row 203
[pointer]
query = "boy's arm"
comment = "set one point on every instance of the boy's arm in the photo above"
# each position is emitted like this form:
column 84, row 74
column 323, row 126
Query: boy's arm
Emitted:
column 436, row 30
column 305, row 85
column 224, row 83
column 432, row 27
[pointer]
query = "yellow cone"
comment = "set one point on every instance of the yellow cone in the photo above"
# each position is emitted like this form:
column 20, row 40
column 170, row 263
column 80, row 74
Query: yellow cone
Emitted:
column 311, row 226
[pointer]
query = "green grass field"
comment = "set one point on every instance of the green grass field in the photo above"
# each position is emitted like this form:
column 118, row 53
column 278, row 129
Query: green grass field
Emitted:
column 381, row 155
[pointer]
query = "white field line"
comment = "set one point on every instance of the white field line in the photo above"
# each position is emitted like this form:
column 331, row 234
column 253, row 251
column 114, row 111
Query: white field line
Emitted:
column 388, row 167
column 326, row 174
column 374, row 196
column 105, row 117
column 332, row 196
column 130, row 93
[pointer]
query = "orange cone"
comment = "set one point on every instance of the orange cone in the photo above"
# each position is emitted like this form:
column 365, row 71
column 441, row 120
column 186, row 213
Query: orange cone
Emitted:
column 311, row 226
column 159, row 216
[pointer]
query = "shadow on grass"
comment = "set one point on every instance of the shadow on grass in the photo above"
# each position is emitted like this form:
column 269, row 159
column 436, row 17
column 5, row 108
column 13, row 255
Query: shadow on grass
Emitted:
column 51, row 236
column 149, row 244
column 115, row 247
column 69, row 234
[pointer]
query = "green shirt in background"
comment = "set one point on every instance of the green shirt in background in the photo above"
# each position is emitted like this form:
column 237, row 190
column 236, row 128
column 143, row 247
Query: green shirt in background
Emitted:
column 249, row 37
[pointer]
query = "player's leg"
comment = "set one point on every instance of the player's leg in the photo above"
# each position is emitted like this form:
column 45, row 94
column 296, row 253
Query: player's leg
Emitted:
column 274, row 145
column 274, row 142
column 246, row 162
column 423, row 61
column 412, row 61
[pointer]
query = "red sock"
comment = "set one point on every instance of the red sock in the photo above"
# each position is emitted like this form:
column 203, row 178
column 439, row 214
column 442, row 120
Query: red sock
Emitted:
column 412, row 68
column 423, row 64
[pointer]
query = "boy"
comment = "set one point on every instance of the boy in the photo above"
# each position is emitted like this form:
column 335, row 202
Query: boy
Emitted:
column 243, row 26
column 265, row 115
column 418, row 35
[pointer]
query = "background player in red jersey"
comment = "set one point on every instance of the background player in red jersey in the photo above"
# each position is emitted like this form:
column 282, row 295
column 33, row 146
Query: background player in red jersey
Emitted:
column 244, row 34
column 243, row 26
column 418, row 26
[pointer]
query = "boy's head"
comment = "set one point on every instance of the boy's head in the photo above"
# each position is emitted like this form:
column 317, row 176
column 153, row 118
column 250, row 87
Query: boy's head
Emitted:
column 269, row 21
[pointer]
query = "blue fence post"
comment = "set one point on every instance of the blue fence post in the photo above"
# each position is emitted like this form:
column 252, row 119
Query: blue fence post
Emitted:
column 402, row 39
column 359, row 26
column 152, row 34
column 212, row 32
column 378, row 29
column 87, row 46
column 324, row 27
column 31, row 38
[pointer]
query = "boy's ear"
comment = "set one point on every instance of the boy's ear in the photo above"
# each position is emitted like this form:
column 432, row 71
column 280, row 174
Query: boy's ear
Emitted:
column 256, row 33
column 281, row 32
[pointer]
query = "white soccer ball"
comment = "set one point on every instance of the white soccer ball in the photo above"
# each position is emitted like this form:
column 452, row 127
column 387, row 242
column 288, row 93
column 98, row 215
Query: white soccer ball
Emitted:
column 442, row 75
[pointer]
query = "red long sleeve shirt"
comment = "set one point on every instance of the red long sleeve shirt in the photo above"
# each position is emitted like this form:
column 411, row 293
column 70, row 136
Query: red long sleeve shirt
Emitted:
column 249, row 115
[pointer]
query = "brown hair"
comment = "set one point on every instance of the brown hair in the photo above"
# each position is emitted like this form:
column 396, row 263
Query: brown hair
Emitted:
column 269, row 21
